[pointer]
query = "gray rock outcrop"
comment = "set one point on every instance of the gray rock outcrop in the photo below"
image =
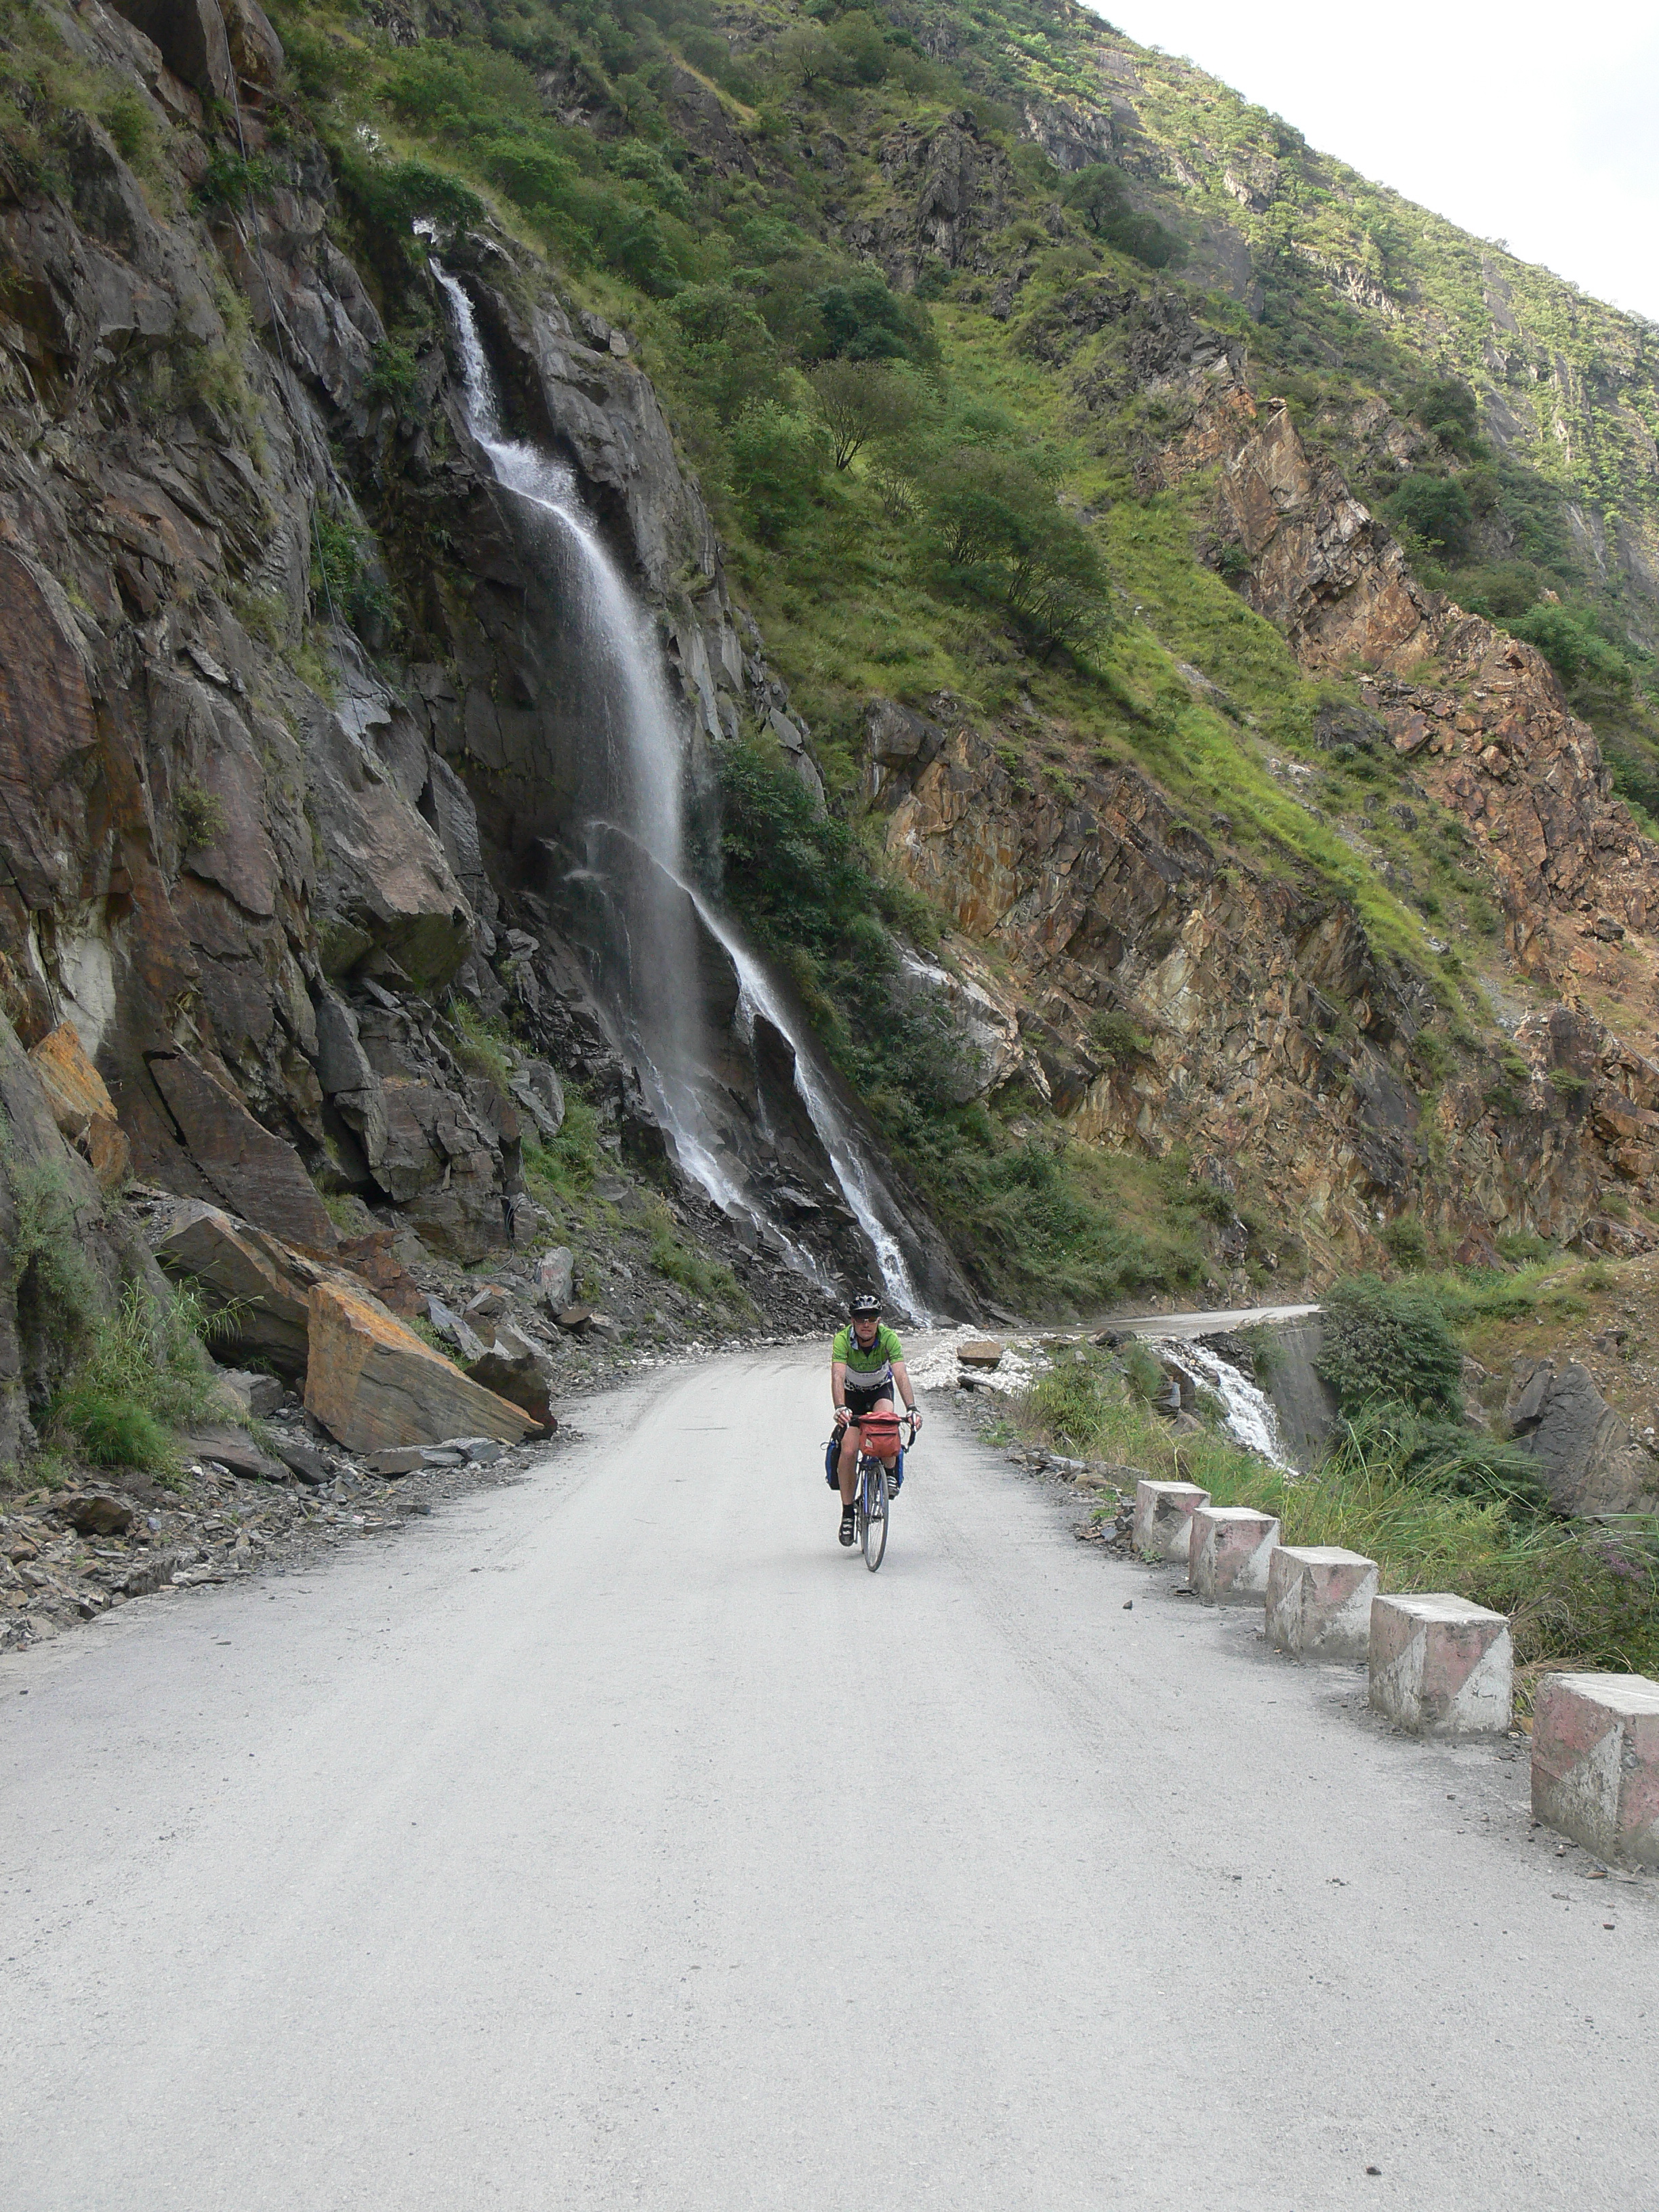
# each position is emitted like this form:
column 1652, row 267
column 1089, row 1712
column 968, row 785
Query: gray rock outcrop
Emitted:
column 1588, row 1459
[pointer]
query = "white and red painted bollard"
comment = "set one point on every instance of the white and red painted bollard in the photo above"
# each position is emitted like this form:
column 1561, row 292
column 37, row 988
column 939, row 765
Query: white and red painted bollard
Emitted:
column 1319, row 1601
column 1440, row 1665
column 1596, row 1762
column 1231, row 1545
column 1163, row 1518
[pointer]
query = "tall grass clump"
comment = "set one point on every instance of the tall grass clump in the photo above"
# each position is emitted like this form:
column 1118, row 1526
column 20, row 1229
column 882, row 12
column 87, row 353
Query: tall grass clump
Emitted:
column 145, row 1372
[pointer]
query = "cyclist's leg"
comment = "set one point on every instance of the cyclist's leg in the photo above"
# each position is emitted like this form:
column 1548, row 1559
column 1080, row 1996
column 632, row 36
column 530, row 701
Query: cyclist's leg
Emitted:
column 858, row 1401
column 847, row 1467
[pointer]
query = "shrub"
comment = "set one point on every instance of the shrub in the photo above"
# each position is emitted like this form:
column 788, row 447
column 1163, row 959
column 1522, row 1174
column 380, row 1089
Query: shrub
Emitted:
column 858, row 401
column 1100, row 195
column 1385, row 1344
column 1569, row 639
column 1407, row 1243
column 1117, row 1036
column 1437, row 510
column 777, row 466
column 200, row 815
column 865, row 319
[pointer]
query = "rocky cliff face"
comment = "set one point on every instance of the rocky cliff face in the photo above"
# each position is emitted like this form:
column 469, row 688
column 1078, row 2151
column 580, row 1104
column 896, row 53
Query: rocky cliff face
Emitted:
column 248, row 849
column 1270, row 1030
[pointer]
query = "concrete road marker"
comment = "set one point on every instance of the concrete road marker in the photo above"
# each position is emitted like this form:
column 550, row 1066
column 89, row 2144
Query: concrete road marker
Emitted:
column 1440, row 1665
column 1596, row 1762
column 1230, row 1546
column 1164, row 1517
column 1319, row 1601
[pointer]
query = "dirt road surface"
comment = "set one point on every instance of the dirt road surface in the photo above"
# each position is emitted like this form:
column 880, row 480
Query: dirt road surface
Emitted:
column 618, row 1840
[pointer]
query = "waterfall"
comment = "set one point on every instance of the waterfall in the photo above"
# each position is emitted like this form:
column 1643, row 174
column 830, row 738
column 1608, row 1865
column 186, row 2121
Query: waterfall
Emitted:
column 1247, row 1412
column 632, row 878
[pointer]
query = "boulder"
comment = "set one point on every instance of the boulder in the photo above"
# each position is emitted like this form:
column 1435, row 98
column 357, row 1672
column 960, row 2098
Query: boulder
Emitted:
column 489, row 1304
column 256, row 1396
column 81, row 1106
column 235, row 1448
column 985, row 1353
column 267, row 1288
column 572, row 1318
column 516, row 1369
column 303, row 1462
column 1588, row 1459
column 98, row 1515
column 374, row 1384
column 556, row 1277
column 454, row 1330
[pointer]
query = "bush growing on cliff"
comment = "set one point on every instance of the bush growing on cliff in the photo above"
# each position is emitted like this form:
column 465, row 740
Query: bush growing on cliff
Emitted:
column 1100, row 195
column 1387, row 1344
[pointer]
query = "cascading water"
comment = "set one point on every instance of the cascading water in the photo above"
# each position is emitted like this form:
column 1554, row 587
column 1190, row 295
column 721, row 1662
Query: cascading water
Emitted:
column 629, row 808
column 1247, row 1411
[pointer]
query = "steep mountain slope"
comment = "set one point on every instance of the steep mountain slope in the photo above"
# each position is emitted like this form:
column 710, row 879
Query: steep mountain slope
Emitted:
column 1185, row 888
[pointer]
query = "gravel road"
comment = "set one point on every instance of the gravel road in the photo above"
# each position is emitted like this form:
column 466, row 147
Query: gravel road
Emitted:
column 617, row 1840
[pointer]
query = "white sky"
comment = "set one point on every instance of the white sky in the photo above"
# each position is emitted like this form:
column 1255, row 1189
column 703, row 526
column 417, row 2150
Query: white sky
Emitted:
column 1537, row 124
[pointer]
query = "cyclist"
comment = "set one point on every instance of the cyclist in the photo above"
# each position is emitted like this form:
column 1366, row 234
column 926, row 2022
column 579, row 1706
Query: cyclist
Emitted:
column 866, row 1361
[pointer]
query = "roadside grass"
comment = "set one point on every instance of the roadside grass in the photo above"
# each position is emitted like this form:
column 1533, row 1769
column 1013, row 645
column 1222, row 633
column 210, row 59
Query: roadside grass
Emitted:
column 1584, row 1595
column 145, row 1372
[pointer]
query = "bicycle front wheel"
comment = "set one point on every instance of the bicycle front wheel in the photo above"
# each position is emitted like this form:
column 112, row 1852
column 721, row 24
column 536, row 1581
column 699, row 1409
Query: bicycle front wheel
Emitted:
column 875, row 1486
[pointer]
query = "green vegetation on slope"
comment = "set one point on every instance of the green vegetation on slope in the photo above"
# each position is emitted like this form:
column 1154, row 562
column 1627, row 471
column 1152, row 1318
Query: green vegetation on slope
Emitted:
column 927, row 488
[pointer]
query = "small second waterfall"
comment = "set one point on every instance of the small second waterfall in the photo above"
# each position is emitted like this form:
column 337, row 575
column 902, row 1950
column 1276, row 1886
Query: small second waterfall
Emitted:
column 643, row 916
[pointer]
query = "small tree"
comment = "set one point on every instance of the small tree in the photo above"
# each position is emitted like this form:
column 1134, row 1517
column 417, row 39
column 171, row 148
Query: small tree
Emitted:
column 777, row 462
column 860, row 400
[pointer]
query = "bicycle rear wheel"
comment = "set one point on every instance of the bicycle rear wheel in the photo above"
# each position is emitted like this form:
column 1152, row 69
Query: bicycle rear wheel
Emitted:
column 872, row 1485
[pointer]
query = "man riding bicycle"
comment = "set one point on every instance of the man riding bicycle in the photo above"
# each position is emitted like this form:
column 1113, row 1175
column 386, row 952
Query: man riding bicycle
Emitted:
column 866, row 1361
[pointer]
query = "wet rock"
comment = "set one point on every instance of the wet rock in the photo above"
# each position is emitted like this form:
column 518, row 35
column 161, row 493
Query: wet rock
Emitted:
column 192, row 38
column 537, row 1088
column 374, row 1384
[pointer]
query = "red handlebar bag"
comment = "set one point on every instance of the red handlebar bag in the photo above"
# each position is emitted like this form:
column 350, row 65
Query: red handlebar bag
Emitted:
column 879, row 1433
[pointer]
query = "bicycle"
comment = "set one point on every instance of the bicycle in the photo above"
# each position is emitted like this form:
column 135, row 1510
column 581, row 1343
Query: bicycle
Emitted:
column 879, row 1433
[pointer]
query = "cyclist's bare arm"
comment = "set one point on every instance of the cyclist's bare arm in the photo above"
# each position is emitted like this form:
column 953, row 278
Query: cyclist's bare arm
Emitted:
column 901, row 1376
column 838, row 1390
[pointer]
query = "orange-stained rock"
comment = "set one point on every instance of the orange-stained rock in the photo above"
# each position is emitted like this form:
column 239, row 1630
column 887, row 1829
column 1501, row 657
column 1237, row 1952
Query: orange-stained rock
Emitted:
column 267, row 1287
column 374, row 1383
column 81, row 1106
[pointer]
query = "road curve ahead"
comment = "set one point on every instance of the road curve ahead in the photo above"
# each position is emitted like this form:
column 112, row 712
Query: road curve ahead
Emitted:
column 616, row 1840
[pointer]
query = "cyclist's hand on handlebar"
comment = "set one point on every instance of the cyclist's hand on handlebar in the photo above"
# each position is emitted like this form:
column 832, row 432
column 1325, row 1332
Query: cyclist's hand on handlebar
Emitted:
column 841, row 1416
column 914, row 1412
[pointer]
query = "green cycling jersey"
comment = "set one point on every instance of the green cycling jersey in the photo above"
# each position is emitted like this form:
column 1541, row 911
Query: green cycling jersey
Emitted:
column 864, row 1367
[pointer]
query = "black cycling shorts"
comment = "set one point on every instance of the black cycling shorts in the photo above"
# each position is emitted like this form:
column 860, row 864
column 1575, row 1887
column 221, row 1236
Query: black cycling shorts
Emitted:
column 865, row 1402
